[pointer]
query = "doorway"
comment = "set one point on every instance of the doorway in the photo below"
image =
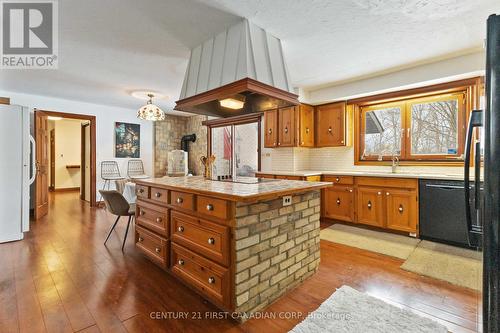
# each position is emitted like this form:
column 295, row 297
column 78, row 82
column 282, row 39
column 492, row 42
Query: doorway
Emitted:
column 60, row 167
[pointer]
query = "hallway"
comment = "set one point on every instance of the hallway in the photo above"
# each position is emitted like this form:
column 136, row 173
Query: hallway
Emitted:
column 62, row 279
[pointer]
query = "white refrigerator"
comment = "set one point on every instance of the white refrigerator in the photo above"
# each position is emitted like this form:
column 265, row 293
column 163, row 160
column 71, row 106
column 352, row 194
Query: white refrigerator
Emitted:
column 17, row 171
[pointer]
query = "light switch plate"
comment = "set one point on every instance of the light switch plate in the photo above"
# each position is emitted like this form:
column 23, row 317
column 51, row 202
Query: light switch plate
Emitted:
column 287, row 200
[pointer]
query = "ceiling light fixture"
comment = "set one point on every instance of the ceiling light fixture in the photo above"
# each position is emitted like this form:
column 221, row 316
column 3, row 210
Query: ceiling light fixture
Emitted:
column 150, row 111
column 233, row 103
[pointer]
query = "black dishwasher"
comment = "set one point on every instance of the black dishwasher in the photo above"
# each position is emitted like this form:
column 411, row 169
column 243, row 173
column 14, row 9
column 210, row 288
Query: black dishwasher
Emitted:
column 442, row 211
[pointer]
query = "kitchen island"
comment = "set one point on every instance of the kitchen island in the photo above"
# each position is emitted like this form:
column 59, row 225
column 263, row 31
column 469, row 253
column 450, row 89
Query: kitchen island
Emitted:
column 239, row 245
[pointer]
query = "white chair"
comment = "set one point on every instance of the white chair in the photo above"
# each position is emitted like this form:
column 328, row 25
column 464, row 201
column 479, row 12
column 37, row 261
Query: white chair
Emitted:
column 135, row 170
column 109, row 171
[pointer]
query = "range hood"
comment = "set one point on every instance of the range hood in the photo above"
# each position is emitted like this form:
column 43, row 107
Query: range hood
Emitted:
column 239, row 71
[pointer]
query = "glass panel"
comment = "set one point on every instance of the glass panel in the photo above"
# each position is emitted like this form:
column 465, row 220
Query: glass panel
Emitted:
column 434, row 128
column 383, row 132
column 222, row 150
column 246, row 148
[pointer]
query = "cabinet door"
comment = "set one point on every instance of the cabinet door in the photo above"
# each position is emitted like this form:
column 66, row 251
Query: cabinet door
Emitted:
column 401, row 209
column 286, row 124
column 271, row 129
column 330, row 129
column 306, row 126
column 370, row 206
column 339, row 203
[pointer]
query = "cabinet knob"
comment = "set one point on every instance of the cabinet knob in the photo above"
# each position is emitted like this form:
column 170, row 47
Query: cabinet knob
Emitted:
column 270, row 131
column 302, row 143
column 338, row 201
column 158, row 250
column 158, row 220
column 181, row 262
column 350, row 190
column 379, row 193
column 211, row 241
column 307, row 130
column 179, row 200
column 211, row 280
column 141, row 190
column 342, row 141
column 140, row 239
column 142, row 213
column 387, row 193
column 210, row 207
column 157, row 194
column 337, row 179
column 279, row 143
column 286, row 129
column 330, row 129
column 400, row 208
column 369, row 205
column 180, row 228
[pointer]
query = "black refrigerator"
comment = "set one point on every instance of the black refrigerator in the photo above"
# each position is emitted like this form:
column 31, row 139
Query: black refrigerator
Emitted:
column 483, row 198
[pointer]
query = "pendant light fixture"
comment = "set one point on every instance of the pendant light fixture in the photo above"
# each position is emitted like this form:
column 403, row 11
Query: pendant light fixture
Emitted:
column 150, row 111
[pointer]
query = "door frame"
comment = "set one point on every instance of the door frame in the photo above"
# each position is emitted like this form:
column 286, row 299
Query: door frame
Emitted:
column 92, row 120
column 83, row 161
column 52, row 143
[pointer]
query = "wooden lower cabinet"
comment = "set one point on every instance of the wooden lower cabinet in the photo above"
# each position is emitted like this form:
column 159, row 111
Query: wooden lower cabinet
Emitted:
column 338, row 203
column 388, row 203
column 370, row 206
column 401, row 209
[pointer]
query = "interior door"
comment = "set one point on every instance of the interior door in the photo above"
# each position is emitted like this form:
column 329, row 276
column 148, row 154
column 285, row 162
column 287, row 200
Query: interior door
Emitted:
column 286, row 124
column 370, row 206
column 42, row 165
column 271, row 129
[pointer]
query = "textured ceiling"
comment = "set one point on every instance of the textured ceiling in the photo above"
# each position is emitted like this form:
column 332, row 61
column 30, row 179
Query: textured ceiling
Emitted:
column 109, row 48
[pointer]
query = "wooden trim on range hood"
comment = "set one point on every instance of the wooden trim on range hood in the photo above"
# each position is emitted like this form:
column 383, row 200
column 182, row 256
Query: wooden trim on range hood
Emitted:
column 245, row 85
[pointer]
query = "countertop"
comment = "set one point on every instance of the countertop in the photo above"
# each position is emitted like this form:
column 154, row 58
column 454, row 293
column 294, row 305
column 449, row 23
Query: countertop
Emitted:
column 399, row 174
column 234, row 191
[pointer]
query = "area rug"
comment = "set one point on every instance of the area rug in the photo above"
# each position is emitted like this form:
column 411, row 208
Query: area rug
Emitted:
column 349, row 310
column 381, row 242
column 458, row 266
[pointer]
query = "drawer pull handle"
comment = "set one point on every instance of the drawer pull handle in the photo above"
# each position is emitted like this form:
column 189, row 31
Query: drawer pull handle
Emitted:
column 211, row 280
column 142, row 213
column 337, row 179
column 180, row 228
column 210, row 207
column 179, row 200
column 158, row 250
column 338, row 201
column 141, row 239
column 400, row 208
column 158, row 219
column 369, row 205
column 211, row 241
column 181, row 262
column 141, row 190
column 157, row 194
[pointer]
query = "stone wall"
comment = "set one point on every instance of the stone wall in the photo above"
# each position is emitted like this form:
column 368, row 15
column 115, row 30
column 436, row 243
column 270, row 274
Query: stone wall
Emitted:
column 168, row 134
column 199, row 148
column 276, row 248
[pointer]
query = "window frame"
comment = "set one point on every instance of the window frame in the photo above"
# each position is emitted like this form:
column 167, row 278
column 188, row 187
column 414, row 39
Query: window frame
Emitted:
column 468, row 92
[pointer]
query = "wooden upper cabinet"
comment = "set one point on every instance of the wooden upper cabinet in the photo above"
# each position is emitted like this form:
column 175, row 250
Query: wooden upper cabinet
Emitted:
column 330, row 129
column 271, row 129
column 401, row 209
column 305, row 123
column 286, row 127
column 370, row 206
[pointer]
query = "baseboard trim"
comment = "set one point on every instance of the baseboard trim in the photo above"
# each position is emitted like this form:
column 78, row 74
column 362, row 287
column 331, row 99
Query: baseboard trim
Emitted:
column 67, row 189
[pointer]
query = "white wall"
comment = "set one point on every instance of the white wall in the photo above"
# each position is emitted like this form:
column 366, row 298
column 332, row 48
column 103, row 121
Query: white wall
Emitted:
column 106, row 116
column 67, row 152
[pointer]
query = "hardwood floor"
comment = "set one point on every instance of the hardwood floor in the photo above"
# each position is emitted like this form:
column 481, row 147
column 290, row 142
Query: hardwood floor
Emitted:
column 61, row 278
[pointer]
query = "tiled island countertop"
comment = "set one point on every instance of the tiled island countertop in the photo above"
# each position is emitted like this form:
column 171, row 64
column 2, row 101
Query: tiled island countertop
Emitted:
column 240, row 246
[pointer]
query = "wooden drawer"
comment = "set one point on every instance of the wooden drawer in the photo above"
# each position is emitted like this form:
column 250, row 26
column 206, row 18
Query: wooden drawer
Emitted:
column 153, row 246
column 289, row 177
column 142, row 191
column 209, row 278
column 153, row 217
column 160, row 195
column 182, row 200
column 407, row 183
column 212, row 207
column 346, row 180
column 204, row 237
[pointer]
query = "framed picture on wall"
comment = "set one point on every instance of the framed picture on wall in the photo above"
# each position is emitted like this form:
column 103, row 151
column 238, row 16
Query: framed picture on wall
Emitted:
column 127, row 140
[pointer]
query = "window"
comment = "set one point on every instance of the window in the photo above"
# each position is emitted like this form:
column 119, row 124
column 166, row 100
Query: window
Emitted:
column 235, row 143
column 424, row 125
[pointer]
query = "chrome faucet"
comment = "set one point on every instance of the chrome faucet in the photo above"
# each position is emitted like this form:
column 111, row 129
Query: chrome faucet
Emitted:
column 395, row 163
